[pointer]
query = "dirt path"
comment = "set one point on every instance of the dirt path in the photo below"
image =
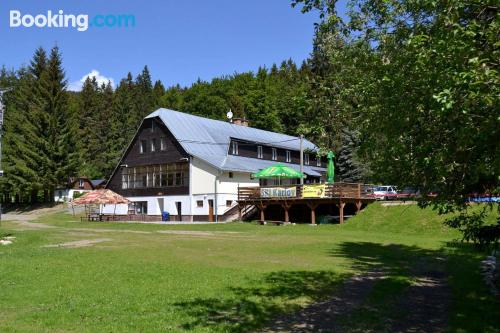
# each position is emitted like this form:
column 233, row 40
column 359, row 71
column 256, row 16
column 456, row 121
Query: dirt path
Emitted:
column 427, row 301
column 323, row 316
column 421, row 308
column 80, row 243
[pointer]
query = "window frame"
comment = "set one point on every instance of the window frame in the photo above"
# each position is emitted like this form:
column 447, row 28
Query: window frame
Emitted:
column 143, row 146
column 235, row 148
column 260, row 152
column 274, row 154
column 153, row 145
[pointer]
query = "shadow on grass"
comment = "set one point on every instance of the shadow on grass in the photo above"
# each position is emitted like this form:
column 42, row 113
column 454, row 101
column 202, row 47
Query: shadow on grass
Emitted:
column 400, row 288
column 422, row 290
column 249, row 308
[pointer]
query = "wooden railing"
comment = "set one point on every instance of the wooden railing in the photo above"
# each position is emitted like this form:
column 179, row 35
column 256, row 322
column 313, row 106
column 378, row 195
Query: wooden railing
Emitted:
column 336, row 190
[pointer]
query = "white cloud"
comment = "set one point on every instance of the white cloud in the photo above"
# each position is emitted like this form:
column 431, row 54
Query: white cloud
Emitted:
column 77, row 85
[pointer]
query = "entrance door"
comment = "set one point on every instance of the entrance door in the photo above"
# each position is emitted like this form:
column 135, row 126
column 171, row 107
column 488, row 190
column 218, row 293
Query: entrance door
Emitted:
column 210, row 210
column 178, row 204
column 161, row 205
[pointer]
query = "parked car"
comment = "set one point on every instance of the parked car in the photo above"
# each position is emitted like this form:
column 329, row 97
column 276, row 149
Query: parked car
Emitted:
column 386, row 192
column 409, row 193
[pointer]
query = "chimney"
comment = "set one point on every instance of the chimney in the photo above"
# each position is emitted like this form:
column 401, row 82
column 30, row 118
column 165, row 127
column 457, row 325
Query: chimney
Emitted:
column 241, row 122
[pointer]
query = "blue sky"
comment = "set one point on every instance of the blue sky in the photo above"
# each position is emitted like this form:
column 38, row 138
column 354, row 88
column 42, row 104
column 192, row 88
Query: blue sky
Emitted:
column 180, row 41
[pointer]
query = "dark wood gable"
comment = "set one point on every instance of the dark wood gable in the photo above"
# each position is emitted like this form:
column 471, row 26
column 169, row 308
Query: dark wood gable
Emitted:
column 172, row 152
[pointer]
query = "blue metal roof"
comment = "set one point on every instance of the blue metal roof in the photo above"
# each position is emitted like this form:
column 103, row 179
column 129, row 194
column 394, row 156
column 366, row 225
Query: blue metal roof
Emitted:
column 209, row 140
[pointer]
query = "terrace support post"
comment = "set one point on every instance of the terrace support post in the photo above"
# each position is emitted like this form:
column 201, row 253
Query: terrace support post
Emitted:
column 358, row 206
column 286, row 206
column 262, row 207
column 341, row 206
column 313, row 206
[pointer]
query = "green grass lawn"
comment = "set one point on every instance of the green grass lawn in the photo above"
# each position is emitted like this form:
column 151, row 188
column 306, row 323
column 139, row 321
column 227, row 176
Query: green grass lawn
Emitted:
column 225, row 278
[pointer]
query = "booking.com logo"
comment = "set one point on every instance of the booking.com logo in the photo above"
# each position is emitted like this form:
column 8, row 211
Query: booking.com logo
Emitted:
column 61, row 20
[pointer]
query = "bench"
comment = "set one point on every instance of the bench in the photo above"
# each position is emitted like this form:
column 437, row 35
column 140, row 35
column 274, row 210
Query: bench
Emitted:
column 261, row 222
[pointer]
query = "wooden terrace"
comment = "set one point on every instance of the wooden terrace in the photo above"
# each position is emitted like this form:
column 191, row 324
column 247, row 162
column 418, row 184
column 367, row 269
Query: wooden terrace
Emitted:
column 311, row 195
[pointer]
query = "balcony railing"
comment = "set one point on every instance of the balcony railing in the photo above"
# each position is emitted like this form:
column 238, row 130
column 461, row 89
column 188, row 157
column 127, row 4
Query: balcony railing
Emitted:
column 306, row 191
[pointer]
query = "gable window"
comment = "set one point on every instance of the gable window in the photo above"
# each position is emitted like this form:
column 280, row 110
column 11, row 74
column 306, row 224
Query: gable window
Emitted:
column 306, row 159
column 318, row 160
column 235, row 148
column 143, row 146
column 152, row 126
column 163, row 144
column 274, row 154
column 153, row 145
column 288, row 156
column 259, row 152
column 80, row 183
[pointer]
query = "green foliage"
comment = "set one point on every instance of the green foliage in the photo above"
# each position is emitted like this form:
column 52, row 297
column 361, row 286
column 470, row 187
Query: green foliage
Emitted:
column 426, row 103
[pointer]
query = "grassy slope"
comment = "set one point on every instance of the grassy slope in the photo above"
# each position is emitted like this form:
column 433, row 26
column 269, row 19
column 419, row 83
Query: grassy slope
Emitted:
column 222, row 282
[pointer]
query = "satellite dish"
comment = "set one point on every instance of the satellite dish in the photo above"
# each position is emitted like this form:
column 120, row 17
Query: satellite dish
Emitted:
column 229, row 114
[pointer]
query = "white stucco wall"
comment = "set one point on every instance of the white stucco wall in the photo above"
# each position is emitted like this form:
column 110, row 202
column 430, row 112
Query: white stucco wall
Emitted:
column 169, row 205
column 202, row 187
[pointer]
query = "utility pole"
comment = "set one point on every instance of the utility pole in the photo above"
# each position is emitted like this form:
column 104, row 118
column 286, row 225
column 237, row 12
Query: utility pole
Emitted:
column 302, row 158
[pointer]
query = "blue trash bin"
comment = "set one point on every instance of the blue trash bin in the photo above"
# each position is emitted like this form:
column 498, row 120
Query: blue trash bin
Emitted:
column 165, row 216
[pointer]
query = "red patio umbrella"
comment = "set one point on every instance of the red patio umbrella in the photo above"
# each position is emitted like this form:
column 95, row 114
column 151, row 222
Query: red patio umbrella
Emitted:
column 101, row 197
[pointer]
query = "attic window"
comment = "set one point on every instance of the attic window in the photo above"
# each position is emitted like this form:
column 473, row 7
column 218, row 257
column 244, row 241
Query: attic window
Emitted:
column 259, row 152
column 163, row 144
column 235, row 148
column 306, row 159
column 318, row 160
column 80, row 183
column 153, row 145
column 144, row 146
column 274, row 154
column 288, row 156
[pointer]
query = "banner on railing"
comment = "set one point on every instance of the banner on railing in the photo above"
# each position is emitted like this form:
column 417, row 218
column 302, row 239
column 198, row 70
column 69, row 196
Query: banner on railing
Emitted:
column 278, row 192
column 314, row 191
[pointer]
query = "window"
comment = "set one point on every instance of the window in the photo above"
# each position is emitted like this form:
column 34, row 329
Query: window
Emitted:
column 235, row 148
column 153, row 145
column 274, row 154
column 199, row 203
column 156, row 176
column 80, row 183
column 259, row 152
column 229, row 203
column 288, row 156
column 139, row 207
column 318, row 160
column 306, row 159
column 153, row 126
column 144, row 146
column 163, row 144
column 231, row 175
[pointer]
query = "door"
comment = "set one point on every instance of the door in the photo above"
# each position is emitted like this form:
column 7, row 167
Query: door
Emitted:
column 161, row 205
column 210, row 210
column 178, row 204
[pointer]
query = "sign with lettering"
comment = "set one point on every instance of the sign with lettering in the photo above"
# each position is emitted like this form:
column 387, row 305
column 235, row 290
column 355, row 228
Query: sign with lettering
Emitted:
column 278, row 192
column 313, row 191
